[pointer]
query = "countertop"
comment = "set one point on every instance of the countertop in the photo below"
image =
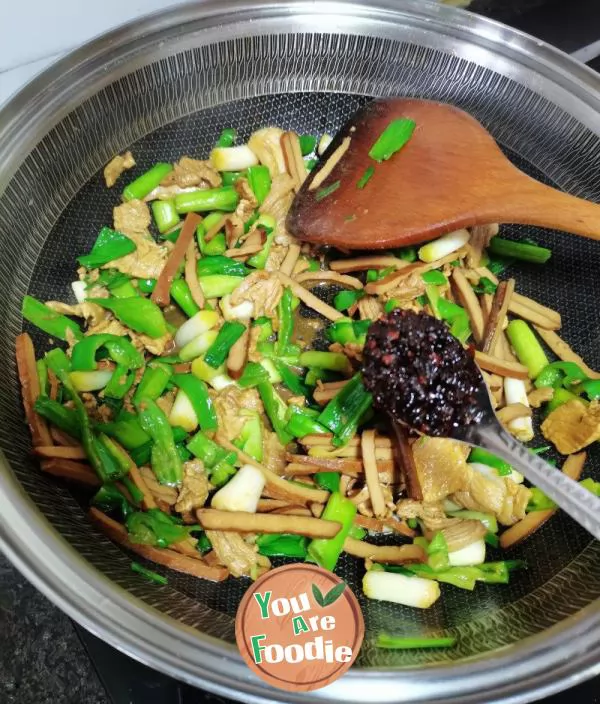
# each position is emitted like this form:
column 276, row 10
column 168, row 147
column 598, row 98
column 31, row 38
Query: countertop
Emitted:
column 42, row 658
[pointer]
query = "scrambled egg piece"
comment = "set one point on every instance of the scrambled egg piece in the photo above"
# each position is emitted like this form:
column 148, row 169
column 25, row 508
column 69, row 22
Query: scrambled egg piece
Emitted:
column 116, row 166
column 573, row 426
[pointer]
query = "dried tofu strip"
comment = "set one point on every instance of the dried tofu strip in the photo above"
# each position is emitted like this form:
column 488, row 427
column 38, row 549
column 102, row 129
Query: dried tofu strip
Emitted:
column 525, row 307
column 294, row 163
column 324, row 439
column 345, row 266
column 378, row 525
column 501, row 366
column 292, row 511
column 335, row 464
column 309, row 298
column 169, row 558
column 573, row 467
column 497, row 316
column 381, row 453
column 386, row 554
column 136, row 477
column 62, row 438
column 391, row 281
column 243, row 252
column 406, row 462
column 468, row 299
column 325, row 392
column 563, row 351
column 238, row 354
column 71, row 470
column 486, row 301
column 243, row 522
column 191, row 276
column 60, row 452
column 213, row 231
column 30, row 389
column 266, row 505
column 278, row 487
column 330, row 164
column 330, row 276
column 533, row 316
column 513, row 411
column 539, row 396
column 161, row 294
column 371, row 473
column 291, row 258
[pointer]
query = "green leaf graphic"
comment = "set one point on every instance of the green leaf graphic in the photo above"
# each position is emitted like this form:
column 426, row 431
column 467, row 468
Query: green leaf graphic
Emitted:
column 334, row 594
column 319, row 598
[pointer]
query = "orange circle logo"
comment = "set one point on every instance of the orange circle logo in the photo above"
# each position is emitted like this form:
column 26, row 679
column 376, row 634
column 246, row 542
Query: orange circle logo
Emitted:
column 299, row 627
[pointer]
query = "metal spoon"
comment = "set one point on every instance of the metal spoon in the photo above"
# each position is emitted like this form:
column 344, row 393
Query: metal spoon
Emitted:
column 400, row 389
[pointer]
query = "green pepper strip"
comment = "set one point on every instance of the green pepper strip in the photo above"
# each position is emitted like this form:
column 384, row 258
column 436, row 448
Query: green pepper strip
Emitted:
column 326, row 551
column 180, row 291
column 127, row 430
column 484, row 457
column 138, row 313
column 276, row 409
column 285, row 311
column 437, row 553
column 150, row 575
column 165, row 460
column 109, row 245
column 109, row 498
column 384, row 640
column 343, row 413
column 290, row 379
column 218, row 265
column 42, row 373
column 153, row 527
column 197, row 393
column 259, row 260
column 301, row 423
column 64, row 418
column 330, row 481
column 346, row 299
column 282, row 545
column 48, row 320
column 228, row 335
column 392, row 139
column 156, row 377
column 333, row 361
column 227, row 137
column 104, row 462
column 207, row 450
column 120, row 382
column 253, row 375
column 259, row 179
column 120, row 349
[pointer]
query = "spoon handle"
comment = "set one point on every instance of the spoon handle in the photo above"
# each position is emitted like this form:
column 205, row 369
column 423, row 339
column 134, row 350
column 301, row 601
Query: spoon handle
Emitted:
column 579, row 503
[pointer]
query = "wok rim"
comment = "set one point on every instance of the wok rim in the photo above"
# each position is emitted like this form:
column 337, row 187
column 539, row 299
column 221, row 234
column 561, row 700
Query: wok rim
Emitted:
column 541, row 665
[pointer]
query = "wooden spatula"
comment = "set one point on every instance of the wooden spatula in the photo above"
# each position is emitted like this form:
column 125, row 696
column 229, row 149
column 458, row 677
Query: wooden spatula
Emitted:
column 450, row 174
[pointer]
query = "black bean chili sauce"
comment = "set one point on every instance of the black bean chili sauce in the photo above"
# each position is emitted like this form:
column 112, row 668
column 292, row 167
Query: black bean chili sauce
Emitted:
column 420, row 374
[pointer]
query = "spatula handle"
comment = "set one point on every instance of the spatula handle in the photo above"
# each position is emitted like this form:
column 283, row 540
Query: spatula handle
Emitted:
column 534, row 203
column 579, row 503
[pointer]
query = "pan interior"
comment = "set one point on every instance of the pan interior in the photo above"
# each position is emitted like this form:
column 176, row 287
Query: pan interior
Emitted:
column 54, row 207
